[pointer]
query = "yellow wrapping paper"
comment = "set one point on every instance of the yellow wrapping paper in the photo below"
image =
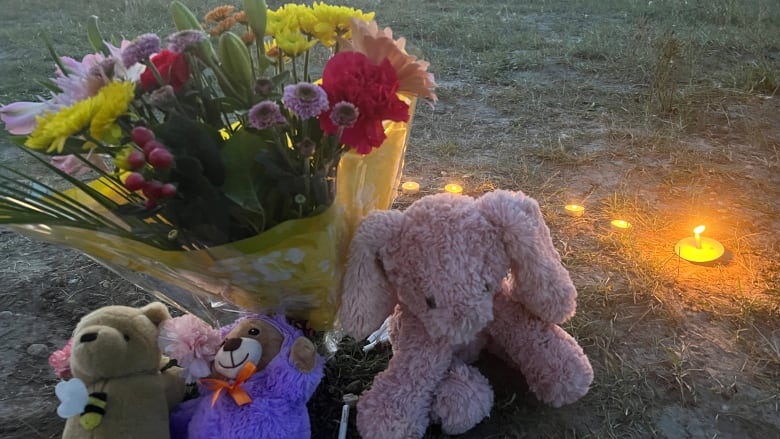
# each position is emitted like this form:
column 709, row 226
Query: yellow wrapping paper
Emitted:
column 294, row 267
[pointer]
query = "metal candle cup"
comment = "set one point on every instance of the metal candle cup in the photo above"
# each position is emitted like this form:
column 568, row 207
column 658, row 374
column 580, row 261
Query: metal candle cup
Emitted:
column 453, row 188
column 574, row 210
column 410, row 187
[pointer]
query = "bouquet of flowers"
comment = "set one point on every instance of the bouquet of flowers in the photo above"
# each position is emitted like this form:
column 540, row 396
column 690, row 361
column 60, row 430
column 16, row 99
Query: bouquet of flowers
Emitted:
column 224, row 171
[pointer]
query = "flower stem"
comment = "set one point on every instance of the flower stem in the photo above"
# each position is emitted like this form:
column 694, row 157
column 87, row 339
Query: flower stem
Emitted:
column 150, row 65
column 223, row 80
column 307, row 177
column 306, row 63
column 281, row 145
column 260, row 53
column 294, row 70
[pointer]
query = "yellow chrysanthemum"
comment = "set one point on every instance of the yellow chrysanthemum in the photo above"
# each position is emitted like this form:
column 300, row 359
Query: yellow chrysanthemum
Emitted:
column 290, row 17
column 273, row 51
column 116, row 98
column 273, row 23
column 296, row 17
column 54, row 128
column 98, row 113
column 334, row 21
column 293, row 43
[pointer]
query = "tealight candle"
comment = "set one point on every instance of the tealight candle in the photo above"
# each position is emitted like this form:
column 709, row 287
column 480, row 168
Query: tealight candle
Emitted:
column 410, row 187
column 620, row 224
column 698, row 248
column 453, row 188
column 574, row 210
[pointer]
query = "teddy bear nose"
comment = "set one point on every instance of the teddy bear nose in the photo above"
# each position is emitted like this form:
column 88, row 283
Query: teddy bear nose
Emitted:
column 231, row 344
column 90, row 336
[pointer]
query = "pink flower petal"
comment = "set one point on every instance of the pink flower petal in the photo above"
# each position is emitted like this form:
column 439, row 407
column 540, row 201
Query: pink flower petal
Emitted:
column 19, row 117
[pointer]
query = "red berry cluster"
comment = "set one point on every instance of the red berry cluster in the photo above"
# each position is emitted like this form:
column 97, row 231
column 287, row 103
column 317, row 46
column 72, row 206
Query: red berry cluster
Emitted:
column 157, row 155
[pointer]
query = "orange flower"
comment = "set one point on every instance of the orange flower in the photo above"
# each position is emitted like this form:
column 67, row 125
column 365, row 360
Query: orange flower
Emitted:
column 248, row 37
column 241, row 17
column 378, row 45
column 219, row 13
column 222, row 27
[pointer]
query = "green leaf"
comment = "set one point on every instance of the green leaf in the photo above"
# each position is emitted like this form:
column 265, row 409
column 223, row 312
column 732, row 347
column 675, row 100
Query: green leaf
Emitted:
column 185, row 137
column 94, row 194
column 93, row 33
column 236, row 65
column 227, row 104
column 256, row 12
column 54, row 54
column 49, row 86
column 18, row 140
column 239, row 155
column 281, row 78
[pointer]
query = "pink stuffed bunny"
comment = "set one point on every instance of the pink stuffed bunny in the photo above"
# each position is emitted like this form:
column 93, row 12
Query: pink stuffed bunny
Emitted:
column 440, row 268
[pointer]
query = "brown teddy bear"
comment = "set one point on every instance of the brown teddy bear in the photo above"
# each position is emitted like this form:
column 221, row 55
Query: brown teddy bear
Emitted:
column 117, row 390
column 263, row 374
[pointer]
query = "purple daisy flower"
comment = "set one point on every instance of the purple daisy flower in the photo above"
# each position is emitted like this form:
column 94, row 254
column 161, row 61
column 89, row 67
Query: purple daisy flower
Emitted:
column 305, row 99
column 264, row 87
column 163, row 97
column 344, row 114
column 180, row 41
column 266, row 114
column 140, row 49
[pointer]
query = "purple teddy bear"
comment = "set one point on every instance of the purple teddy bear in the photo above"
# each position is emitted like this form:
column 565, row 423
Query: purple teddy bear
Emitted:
column 288, row 370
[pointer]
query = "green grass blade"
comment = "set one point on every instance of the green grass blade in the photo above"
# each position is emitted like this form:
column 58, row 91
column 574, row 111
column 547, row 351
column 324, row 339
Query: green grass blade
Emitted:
column 53, row 53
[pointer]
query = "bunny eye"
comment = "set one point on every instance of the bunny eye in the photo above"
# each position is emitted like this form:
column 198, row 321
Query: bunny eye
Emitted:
column 431, row 302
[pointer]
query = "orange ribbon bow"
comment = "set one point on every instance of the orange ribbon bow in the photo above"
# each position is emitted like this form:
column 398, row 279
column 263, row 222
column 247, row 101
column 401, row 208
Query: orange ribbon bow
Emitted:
column 239, row 395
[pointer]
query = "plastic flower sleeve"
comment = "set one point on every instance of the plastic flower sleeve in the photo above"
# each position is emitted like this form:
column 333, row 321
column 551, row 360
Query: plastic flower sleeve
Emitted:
column 294, row 267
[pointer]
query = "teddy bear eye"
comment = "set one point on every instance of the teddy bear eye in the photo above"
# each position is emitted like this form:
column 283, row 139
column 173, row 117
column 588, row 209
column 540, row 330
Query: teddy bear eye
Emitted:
column 431, row 302
column 254, row 331
column 127, row 337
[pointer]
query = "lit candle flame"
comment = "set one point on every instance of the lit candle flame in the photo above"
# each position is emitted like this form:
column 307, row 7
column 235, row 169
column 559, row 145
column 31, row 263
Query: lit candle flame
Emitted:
column 697, row 235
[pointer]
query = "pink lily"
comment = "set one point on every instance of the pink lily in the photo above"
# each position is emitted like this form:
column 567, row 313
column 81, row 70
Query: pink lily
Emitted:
column 19, row 117
column 72, row 165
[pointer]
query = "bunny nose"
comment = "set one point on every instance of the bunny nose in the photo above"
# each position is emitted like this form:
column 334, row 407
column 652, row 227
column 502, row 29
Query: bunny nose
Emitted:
column 231, row 344
column 91, row 336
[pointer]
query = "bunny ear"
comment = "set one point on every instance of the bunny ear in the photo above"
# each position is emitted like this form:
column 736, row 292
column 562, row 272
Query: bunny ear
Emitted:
column 538, row 279
column 367, row 297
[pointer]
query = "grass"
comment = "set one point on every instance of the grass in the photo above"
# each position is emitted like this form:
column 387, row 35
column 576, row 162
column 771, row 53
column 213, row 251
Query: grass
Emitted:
column 663, row 113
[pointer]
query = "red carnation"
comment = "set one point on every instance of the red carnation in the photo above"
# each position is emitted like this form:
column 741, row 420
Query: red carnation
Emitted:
column 172, row 67
column 351, row 77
